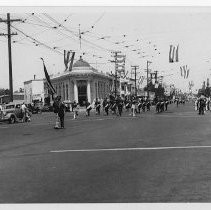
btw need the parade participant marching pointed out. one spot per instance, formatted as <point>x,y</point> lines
<point>162,104</point>
<point>1,111</point>
<point>127,105</point>
<point>113,106</point>
<point>148,105</point>
<point>88,108</point>
<point>107,104</point>
<point>143,106</point>
<point>177,101</point>
<point>76,110</point>
<point>133,108</point>
<point>166,104</point>
<point>158,106</point>
<point>119,106</point>
<point>97,106</point>
<point>104,104</point>
<point>202,105</point>
<point>196,105</point>
<point>139,106</point>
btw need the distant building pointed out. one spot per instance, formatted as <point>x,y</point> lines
<point>34,91</point>
<point>82,83</point>
<point>127,87</point>
<point>17,98</point>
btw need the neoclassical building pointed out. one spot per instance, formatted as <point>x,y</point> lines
<point>82,83</point>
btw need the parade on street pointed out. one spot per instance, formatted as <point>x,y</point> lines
<point>105,105</point>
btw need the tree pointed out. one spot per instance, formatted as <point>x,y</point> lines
<point>4,91</point>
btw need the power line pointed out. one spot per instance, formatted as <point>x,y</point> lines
<point>39,42</point>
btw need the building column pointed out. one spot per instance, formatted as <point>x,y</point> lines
<point>75,91</point>
<point>88,91</point>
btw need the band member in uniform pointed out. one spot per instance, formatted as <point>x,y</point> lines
<point>166,104</point>
<point>143,106</point>
<point>88,108</point>
<point>202,105</point>
<point>97,106</point>
<point>158,106</point>
<point>139,106</point>
<point>148,105</point>
<point>107,105</point>
<point>119,106</point>
<point>133,107</point>
<point>127,105</point>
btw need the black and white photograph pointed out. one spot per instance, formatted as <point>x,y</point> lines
<point>105,105</point>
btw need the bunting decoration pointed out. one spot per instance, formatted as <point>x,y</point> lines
<point>141,79</point>
<point>125,75</point>
<point>121,63</point>
<point>68,61</point>
<point>174,54</point>
<point>184,71</point>
<point>71,61</point>
<point>50,86</point>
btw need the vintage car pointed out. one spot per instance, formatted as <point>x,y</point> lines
<point>11,113</point>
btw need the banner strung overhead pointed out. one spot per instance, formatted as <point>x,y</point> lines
<point>184,71</point>
<point>68,61</point>
<point>174,54</point>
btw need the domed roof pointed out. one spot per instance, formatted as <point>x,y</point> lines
<point>81,63</point>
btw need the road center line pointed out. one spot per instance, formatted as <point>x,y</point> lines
<point>128,149</point>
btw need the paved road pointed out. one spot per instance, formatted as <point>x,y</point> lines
<point>149,158</point>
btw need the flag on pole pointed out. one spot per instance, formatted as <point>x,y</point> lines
<point>50,86</point>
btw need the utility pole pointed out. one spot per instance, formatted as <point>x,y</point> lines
<point>79,31</point>
<point>116,69</point>
<point>135,68</point>
<point>148,62</point>
<point>9,34</point>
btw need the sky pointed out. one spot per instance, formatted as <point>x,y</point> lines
<point>147,31</point>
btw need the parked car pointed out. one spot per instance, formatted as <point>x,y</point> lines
<point>47,108</point>
<point>11,113</point>
<point>36,108</point>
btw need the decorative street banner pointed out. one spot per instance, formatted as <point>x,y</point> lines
<point>184,71</point>
<point>120,62</point>
<point>68,60</point>
<point>141,79</point>
<point>173,54</point>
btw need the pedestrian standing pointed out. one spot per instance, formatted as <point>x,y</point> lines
<point>23,111</point>
<point>133,107</point>
<point>1,111</point>
<point>56,111</point>
<point>61,112</point>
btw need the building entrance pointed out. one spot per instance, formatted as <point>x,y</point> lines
<point>82,92</point>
